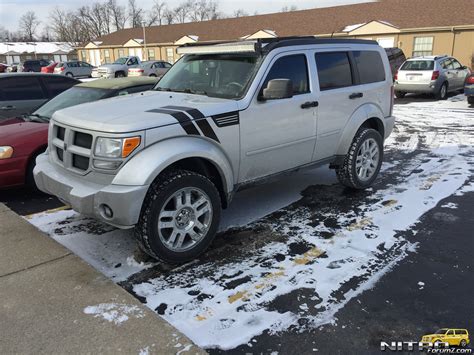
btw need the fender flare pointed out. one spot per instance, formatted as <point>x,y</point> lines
<point>360,115</point>
<point>145,166</point>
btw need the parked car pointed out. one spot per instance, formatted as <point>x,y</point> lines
<point>74,69</point>
<point>469,89</point>
<point>49,68</point>
<point>150,68</point>
<point>117,69</point>
<point>232,115</point>
<point>23,93</point>
<point>23,138</point>
<point>3,68</point>
<point>396,57</point>
<point>437,75</point>
<point>454,337</point>
<point>33,65</point>
<point>13,68</point>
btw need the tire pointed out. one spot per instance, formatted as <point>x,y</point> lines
<point>161,218</point>
<point>442,93</point>
<point>29,178</point>
<point>153,75</point>
<point>470,100</point>
<point>70,75</point>
<point>400,94</point>
<point>120,74</point>
<point>347,173</point>
<point>463,343</point>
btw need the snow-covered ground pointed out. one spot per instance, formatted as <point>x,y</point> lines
<point>304,237</point>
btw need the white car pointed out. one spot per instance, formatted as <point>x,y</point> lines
<point>150,68</point>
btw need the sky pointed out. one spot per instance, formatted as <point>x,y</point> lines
<point>11,10</point>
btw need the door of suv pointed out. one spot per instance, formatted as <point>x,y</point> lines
<point>20,95</point>
<point>278,135</point>
<point>336,79</point>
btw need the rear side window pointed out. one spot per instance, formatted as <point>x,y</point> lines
<point>293,67</point>
<point>418,65</point>
<point>57,85</point>
<point>22,88</point>
<point>461,332</point>
<point>334,70</point>
<point>370,66</point>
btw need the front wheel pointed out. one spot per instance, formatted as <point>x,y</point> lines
<point>70,75</point>
<point>400,94</point>
<point>179,217</point>
<point>120,74</point>
<point>363,161</point>
<point>463,343</point>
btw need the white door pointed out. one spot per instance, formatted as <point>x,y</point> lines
<point>386,42</point>
<point>278,135</point>
<point>95,57</point>
<point>138,53</point>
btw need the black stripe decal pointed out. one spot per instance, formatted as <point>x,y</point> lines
<point>182,118</point>
<point>207,129</point>
<point>195,113</point>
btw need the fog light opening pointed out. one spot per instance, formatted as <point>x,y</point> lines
<point>106,211</point>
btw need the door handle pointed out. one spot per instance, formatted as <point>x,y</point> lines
<point>356,95</point>
<point>8,108</point>
<point>310,104</point>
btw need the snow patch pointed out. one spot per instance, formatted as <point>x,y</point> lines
<point>113,312</point>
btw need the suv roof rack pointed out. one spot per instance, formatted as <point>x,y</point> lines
<point>263,45</point>
<point>440,56</point>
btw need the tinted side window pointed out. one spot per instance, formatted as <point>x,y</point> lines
<point>293,67</point>
<point>370,66</point>
<point>167,65</point>
<point>21,89</point>
<point>456,64</point>
<point>57,85</point>
<point>334,70</point>
<point>450,332</point>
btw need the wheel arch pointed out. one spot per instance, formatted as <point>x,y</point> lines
<point>366,116</point>
<point>189,153</point>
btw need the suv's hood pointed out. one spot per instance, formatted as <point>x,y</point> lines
<point>133,112</point>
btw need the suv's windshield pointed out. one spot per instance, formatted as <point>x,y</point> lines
<point>418,65</point>
<point>71,97</point>
<point>441,331</point>
<point>121,60</point>
<point>216,75</point>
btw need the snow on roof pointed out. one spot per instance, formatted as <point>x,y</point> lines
<point>32,47</point>
<point>194,37</point>
<point>351,28</point>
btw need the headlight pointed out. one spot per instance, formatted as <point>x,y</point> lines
<point>116,147</point>
<point>6,152</point>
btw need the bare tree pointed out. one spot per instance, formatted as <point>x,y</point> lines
<point>157,14</point>
<point>240,13</point>
<point>4,34</point>
<point>202,10</point>
<point>117,15</point>
<point>69,27</point>
<point>135,13</point>
<point>28,25</point>
<point>289,8</point>
<point>168,17</point>
<point>181,11</point>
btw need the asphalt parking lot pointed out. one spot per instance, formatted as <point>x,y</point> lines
<point>303,264</point>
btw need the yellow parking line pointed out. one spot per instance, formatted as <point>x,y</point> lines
<point>62,208</point>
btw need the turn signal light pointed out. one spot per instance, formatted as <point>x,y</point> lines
<point>129,145</point>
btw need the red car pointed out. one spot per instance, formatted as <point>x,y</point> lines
<point>3,68</point>
<point>49,68</point>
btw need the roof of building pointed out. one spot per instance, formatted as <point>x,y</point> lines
<point>398,13</point>
<point>17,48</point>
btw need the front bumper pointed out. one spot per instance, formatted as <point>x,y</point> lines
<point>89,198</point>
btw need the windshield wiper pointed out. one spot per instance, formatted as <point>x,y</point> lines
<point>36,117</point>
<point>185,90</point>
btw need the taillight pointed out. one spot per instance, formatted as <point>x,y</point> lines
<point>395,77</point>
<point>140,70</point>
<point>435,75</point>
<point>470,79</point>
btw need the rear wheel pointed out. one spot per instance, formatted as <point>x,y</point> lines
<point>179,217</point>
<point>120,74</point>
<point>363,161</point>
<point>400,94</point>
<point>442,93</point>
<point>70,75</point>
<point>470,100</point>
<point>463,343</point>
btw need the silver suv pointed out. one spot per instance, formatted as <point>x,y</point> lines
<point>436,75</point>
<point>223,117</point>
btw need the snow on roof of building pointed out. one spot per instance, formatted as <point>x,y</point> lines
<point>351,28</point>
<point>35,47</point>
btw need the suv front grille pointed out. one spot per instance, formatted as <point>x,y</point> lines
<point>72,148</point>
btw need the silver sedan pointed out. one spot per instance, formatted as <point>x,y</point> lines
<point>151,68</point>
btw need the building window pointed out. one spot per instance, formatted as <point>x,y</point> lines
<point>151,54</point>
<point>170,55</point>
<point>106,55</point>
<point>422,46</point>
<point>121,53</point>
<point>29,57</point>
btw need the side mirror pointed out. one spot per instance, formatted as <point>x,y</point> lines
<point>278,89</point>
